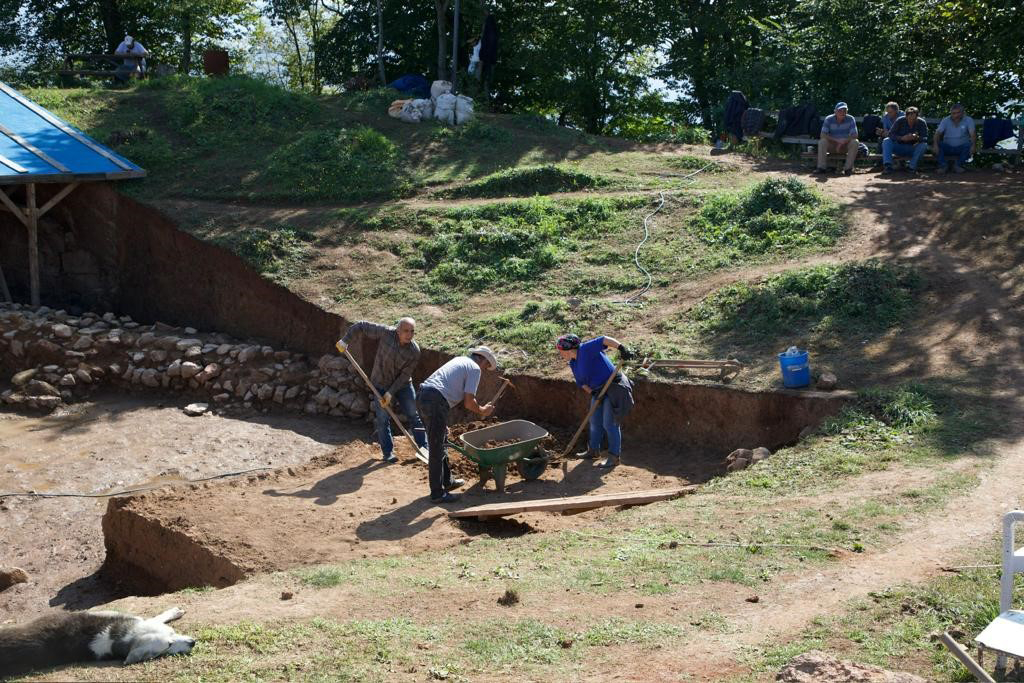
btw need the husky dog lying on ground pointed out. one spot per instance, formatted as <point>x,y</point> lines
<point>72,637</point>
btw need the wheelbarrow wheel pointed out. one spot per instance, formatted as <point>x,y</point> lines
<point>533,467</point>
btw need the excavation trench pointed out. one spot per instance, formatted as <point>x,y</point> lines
<point>105,252</point>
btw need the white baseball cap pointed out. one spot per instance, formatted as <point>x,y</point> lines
<point>486,353</point>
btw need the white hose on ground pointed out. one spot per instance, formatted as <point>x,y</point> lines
<point>632,300</point>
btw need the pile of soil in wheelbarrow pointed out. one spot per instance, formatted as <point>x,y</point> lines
<point>465,468</point>
<point>496,443</point>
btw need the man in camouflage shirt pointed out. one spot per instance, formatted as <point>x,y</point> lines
<point>397,356</point>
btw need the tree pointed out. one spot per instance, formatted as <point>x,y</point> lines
<point>306,23</point>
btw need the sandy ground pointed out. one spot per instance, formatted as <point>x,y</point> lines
<point>110,444</point>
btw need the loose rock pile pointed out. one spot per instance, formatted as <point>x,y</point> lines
<point>742,458</point>
<point>56,358</point>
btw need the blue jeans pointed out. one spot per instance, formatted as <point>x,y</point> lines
<point>961,152</point>
<point>903,149</point>
<point>602,423</point>
<point>405,399</point>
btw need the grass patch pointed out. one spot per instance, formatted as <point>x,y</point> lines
<point>869,295</point>
<point>277,253</point>
<point>892,628</point>
<point>499,245</point>
<point>475,132</point>
<point>686,162</point>
<point>535,326</point>
<point>524,182</point>
<point>773,215</point>
<point>322,165</point>
<point>211,111</point>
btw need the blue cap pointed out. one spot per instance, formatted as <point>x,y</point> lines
<point>841,105</point>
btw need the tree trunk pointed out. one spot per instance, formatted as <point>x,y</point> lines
<point>186,44</point>
<point>380,44</point>
<point>442,38</point>
<point>113,23</point>
<point>298,53</point>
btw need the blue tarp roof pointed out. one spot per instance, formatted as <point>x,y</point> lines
<point>37,146</point>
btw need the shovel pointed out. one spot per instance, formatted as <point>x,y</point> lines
<point>420,452</point>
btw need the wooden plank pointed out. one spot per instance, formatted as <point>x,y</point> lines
<point>16,167</point>
<point>33,243</point>
<point>572,503</point>
<point>35,150</point>
<point>56,198</point>
<point>52,120</point>
<point>13,208</point>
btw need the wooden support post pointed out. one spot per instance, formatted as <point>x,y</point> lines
<point>33,242</point>
<point>3,287</point>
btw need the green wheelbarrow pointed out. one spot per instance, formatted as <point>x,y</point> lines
<point>531,458</point>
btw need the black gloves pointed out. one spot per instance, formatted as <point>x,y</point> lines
<point>625,353</point>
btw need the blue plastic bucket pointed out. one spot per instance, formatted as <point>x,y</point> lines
<point>796,371</point>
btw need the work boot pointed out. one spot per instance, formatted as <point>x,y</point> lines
<point>390,457</point>
<point>446,498</point>
<point>609,462</point>
<point>455,483</point>
<point>588,454</point>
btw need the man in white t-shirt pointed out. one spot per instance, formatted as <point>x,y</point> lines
<point>955,137</point>
<point>135,59</point>
<point>456,382</point>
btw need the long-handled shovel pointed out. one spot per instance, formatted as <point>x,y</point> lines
<point>420,453</point>
<point>593,407</point>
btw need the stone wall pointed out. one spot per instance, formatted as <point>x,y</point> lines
<point>53,358</point>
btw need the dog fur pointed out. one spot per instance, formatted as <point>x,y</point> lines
<point>70,637</point>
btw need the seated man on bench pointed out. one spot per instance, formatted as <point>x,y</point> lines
<point>838,135</point>
<point>908,137</point>
<point>955,137</point>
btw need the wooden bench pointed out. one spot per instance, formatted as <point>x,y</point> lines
<point>96,65</point>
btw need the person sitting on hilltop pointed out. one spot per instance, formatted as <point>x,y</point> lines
<point>838,135</point>
<point>892,114</point>
<point>956,137</point>
<point>135,59</point>
<point>908,137</point>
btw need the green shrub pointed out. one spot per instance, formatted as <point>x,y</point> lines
<point>772,215</point>
<point>528,181</point>
<point>277,253</point>
<point>869,295</point>
<point>342,164</point>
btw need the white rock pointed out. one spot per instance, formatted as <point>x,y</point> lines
<point>190,330</point>
<point>223,349</point>
<point>150,378</point>
<point>174,369</point>
<point>196,409</point>
<point>62,331</point>
<point>67,380</point>
<point>186,343</point>
<point>83,376</point>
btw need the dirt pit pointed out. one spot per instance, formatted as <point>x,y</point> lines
<point>112,443</point>
<point>343,506</point>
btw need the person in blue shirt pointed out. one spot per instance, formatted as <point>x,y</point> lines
<point>838,136</point>
<point>591,368</point>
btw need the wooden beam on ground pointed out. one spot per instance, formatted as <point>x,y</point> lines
<point>56,199</point>
<point>572,503</point>
<point>965,659</point>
